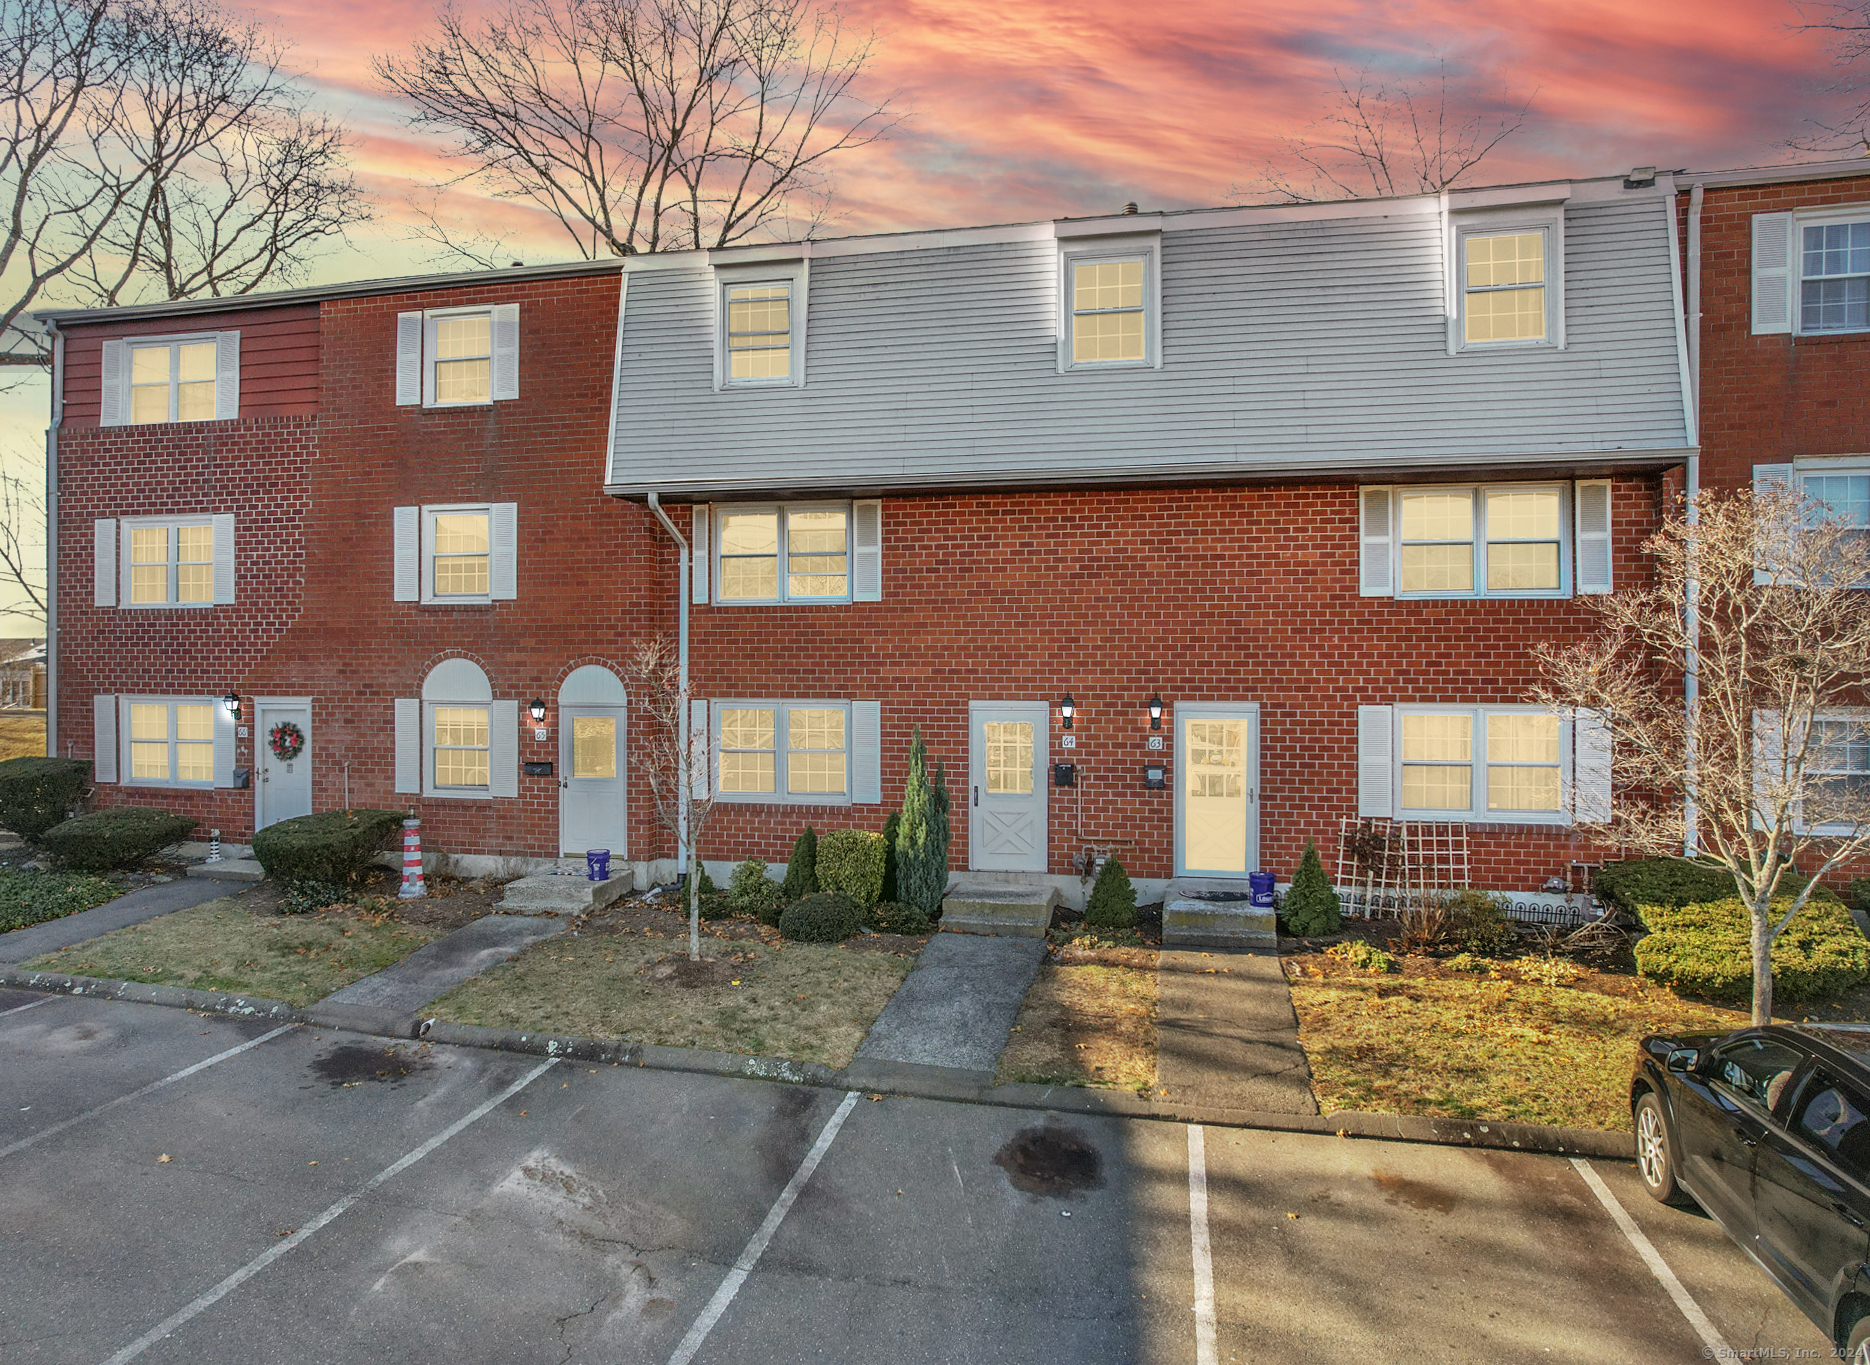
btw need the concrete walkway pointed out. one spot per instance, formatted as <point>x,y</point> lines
<point>1226,1035</point>
<point>144,903</point>
<point>447,962</point>
<point>954,1011</point>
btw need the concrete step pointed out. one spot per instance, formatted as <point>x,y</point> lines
<point>230,870</point>
<point>1007,907</point>
<point>1192,919</point>
<point>555,893</point>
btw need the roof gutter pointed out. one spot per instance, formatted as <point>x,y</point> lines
<point>681,657</point>
<point>51,538</point>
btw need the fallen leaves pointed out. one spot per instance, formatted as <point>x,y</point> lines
<point>164,1159</point>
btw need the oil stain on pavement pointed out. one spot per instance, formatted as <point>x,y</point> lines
<point>351,1064</point>
<point>1051,1159</point>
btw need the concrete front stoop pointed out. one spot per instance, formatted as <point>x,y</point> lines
<point>230,870</point>
<point>1006,904</point>
<point>558,893</point>
<point>1192,918</point>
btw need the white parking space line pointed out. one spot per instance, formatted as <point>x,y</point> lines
<point>183,1074</point>
<point>286,1244</point>
<point>31,1005</point>
<point>756,1245</point>
<point>1710,1338</point>
<point>1198,1240</point>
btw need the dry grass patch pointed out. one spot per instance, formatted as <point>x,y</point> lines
<point>1089,1019</point>
<point>1502,1044</point>
<point>22,736</point>
<point>223,946</point>
<point>806,1001</point>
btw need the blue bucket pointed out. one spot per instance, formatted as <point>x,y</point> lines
<point>1260,884</point>
<point>597,864</point>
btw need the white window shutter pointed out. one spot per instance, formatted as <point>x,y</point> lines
<point>700,567</point>
<point>1375,577</point>
<point>867,552</point>
<point>1590,770</point>
<point>1775,239</point>
<point>1591,506</point>
<point>114,386</point>
<point>408,575</point>
<point>503,751</point>
<point>104,562</point>
<point>104,739</point>
<point>408,361</point>
<point>223,745</point>
<point>1376,781</point>
<point>226,376</point>
<point>223,559</point>
<point>866,752</point>
<point>701,742</point>
<point>504,571</point>
<point>505,351</point>
<point>1768,479</point>
<point>408,745</point>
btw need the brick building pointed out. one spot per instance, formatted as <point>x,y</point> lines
<point>1306,480</point>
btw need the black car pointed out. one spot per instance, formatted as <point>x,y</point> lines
<point>1768,1129</point>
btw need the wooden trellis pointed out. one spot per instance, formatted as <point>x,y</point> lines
<point>1386,867</point>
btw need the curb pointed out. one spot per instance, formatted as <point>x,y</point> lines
<point>909,1082</point>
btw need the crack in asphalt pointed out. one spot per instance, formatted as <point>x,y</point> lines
<point>569,1318</point>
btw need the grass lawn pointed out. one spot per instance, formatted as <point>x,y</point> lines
<point>224,946</point>
<point>806,1001</point>
<point>1089,1019</point>
<point>1432,1041</point>
<point>34,897</point>
<point>22,736</point>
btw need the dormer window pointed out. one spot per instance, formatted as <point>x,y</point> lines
<point>1110,307</point>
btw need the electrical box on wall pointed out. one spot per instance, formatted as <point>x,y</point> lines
<point>1064,775</point>
<point>1154,775</point>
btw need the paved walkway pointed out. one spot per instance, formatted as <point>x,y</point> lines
<point>1226,1034</point>
<point>955,1010</point>
<point>447,962</point>
<point>144,903</point>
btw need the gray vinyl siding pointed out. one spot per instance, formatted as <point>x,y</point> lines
<point>1302,346</point>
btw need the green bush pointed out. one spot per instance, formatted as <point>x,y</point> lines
<point>851,863</point>
<point>1478,924</point>
<point>922,835</point>
<point>1637,882</point>
<point>754,893</point>
<point>891,827</point>
<point>1468,962</point>
<point>802,867</point>
<point>713,903</point>
<point>331,846</point>
<point>115,836</point>
<point>1705,950</point>
<point>32,897</point>
<point>300,898</point>
<point>824,918</point>
<point>1860,893</point>
<point>1363,956</point>
<point>38,793</point>
<point>893,917</point>
<point>1311,905</point>
<point>1112,902</point>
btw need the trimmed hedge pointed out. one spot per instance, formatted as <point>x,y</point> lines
<point>852,862</point>
<point>1637,882</point>
<point>1112,902</point>
<point>754,893</point>
<point>802,867</point>
<point>37,793</point>
<point>824,918</point>
<point>1704,950</point>
<point>115,836</point>
<point>331,846</point>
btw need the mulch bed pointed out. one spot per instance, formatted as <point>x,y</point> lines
<point>664,916</point>
<point>451,903</point>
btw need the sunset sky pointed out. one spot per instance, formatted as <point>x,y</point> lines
<point>1032,109</point>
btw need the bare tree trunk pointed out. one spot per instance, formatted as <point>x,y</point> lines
<point>694,902</point>
<point>1762,958</point>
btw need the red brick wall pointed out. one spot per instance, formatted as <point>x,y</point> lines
<point>278,359</point>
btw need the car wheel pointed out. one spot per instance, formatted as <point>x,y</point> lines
<point>1655,1162</point>
<point>1857,1352</point>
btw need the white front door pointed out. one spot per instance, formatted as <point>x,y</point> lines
<point>283,785</point>
<point>1006,795</point>
<point>1217,799</point>
<point>590,787</point>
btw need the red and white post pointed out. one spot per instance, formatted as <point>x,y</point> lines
<point>413,885</point>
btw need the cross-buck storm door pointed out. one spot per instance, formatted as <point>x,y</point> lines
<point>1006,824</point>
<point>1217,779</point>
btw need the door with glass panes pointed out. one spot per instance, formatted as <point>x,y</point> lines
<point>1006,827</point>
<point>590,797</point>
<point>1217,799</point>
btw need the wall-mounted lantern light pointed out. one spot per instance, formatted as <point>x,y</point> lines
<point>232,702</point>
<point>1155,711</point>
<point>1067,708</point>
<point>537,708</point>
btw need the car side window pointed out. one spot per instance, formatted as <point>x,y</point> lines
<point>1756,1069</point>
<point>1836,1117</point>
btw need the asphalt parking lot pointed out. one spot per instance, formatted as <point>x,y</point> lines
<point>328,1197</point>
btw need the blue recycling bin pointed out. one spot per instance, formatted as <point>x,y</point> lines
<point>597,864</point>
<point>1260,888</point>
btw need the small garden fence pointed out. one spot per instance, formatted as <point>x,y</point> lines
<point>1387,868</point>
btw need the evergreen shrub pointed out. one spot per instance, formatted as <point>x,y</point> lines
<point>754,893</point>
<point>331,846</point>
<point>824,918</point>
<point>1311,905</point>
<point>116,836</point>
<point>1112,902</point>
<point>37,793</point>
<point>802,867</point>
<point>1706,950</point>
<point>851,863</point>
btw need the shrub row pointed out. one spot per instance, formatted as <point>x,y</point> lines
<point>334,846</point>
<point>116,836</point>
<point>1705,950</point>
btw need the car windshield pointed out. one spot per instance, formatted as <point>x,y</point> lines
<point>1756,1069</point>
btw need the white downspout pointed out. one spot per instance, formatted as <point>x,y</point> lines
<point>1691,606</point>
<point>681,658</point>
<point>51,538</point>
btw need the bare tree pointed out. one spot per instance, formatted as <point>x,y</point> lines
<point>643,125</point>
<point>1383,138</point>
<point>1759,594</point>
<point>22,545</point>
<point>154,149</point>
<point>675,762</point>
<point>1846,27</point>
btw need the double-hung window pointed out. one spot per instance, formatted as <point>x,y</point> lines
<point>1110,314</point>
<point>1837,788</point>
<point>792,553</point>
<point>1481,763</point>
<point>171,742</point>
<point>193,378</point>
<point>165,561</point>
<point>1834,277</point>
<point>1506,283</point>
<point>457,357</point>
<point>760,328</point>
<point>1836,494</point>
<point>783,751</point>
<point>1501,540</point>
<point>457,554</point>
<point>462,748</point>
<point>457,740</point>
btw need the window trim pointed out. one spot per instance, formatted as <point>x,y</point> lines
<point>1477,813</point>
<point>1146,247</point>
<point>133,344</point>
<point>126,766</point>
<point>784,511</point>
<point>426,564</point>
<point>795,273</point>
<point>1795,266</point>
<point>1567,541</point>
<point>431,787</point>
<point>779,796</point>
<point>126,567</point>
<point>1550,222</point>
